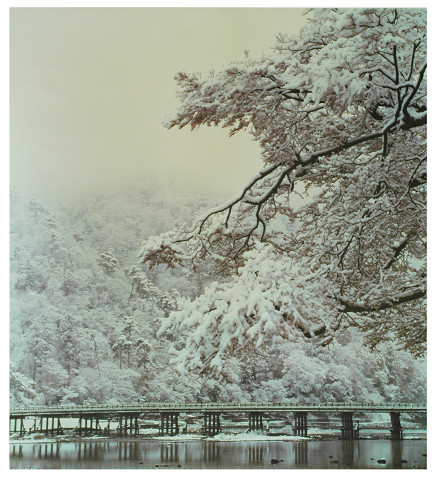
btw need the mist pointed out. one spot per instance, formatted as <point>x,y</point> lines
<point>90,89</point>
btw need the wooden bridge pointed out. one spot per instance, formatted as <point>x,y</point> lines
<point>128,416</point>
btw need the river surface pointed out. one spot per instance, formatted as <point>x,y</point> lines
<point>200,454</point>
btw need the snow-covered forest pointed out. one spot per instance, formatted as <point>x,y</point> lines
<point>85,316</point>
<point>83,311</point>
<point>308,285</point>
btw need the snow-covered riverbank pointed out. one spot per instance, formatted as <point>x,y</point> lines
<point>314,435</point>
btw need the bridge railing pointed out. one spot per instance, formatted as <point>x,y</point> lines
<point>272,406</point>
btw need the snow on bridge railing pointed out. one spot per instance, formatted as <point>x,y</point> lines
<point>142,407</point>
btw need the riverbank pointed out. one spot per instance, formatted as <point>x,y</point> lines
<point>314,435</point>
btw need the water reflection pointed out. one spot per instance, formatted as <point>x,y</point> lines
<point>17,450</point>
<point>94,450</point>
<point>142,453</point>
<point>349,448</point>
<point>211,452</point>
<point>255,452</point>
<point>300,452</point>
<point>51,450</point>
<point>397,453</point>
<point>169,452</point>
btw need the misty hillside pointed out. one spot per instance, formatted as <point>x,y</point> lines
<point>85,316</point>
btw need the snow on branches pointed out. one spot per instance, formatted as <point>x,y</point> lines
<point>340,114</point>
<point>267,300</point>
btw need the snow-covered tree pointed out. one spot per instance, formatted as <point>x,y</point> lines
<point>332,230</point>
<point>22,388</point>
<point>142,287</point>
<point>131,345</point>
<point>37,210</point>
<point>108,261</point>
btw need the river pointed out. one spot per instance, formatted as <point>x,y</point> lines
<point>210,454</point>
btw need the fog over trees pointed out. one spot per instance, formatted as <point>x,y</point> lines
<point>309,285</point>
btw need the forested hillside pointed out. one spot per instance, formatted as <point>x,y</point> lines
<point>85,318</point>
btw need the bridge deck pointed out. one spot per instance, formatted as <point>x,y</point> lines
<point>143,408</point>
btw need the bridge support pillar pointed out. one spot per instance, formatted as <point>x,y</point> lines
<point>14,428</point>
<point>300,424</point>
<point>255,421</point>
<point>123,426</point>
<point>17,428</point>
<point>47,427</point>
<point>85,428</point>
<point>396,430</point>
<point>212,424</point>
<point>83,425</point>
<point>54,428</point>
<point>59,429</point>
<point>37,425</point>
<point>169,423</point>
<point>128,424</point>
<point>348,432</point>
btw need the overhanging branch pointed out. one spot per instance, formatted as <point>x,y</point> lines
<point>349,307</point>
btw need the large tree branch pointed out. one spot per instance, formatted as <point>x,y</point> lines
<point>299,168</point>
<point>419,119</point>
<point>397,249</point>
<point>229,205</point>
<point>409,296</point>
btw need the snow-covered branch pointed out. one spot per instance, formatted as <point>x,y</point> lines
<point>339,112</point>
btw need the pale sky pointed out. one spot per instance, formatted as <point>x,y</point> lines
<point>91,87</point>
